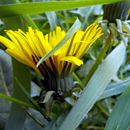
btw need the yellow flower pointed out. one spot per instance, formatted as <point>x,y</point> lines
<point>29,47</point>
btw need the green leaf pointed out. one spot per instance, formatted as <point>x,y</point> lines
<point>115,89</point>
<point>5,72</point>
<point>52,19</point>
<point>94,88</point>
<point>112,89</point>
<point>27,95</point>
<point>40,7</point>
<point>120,117</point>
<point>18,114</point>
<point>71,31</point>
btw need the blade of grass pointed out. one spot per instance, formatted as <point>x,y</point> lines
<point>71,31</point>
<point>3,82</point>
<point>52,19</point>
<point>40,7</point>
<point>51,16</point>
<point>17,114</point>
<point>112,89</point>
<point>37,107</point>
<point>94,88</point>
<point>115,89</point>
<point>120,117</point>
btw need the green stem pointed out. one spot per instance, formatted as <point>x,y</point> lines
<point>99,58</point>
<point>78,79</point>
<point>103,110</point>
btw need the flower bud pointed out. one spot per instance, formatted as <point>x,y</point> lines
<point>116,11</point>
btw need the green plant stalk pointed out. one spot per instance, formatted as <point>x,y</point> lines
<point>99,59</point>
<point>102,109</point>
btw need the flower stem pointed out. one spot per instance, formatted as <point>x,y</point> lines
<point>78,79</point>
<point>102,109</point>
<point>99,58</point>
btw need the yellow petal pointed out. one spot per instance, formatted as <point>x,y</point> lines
<point>7,43</point>
<point>73,59</point>
<point>56,36</point>
<point>17,55</point>
<point>92,33</point>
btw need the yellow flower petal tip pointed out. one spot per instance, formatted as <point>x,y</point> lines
<point>28,47</point>
<point>73,59</point>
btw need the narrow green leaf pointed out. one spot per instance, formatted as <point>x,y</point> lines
<point>71,31</point>
<point>115,89</point>
<point>17,113</point>
<point>28,21</point>
<point>51,16</point>
<point>40,7</point>
<point>52,19</point>
<point>27,95</point>
<point>9,98</point>
<point>2,79</point>
<point>120,117</point>
<point>94,88</point>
